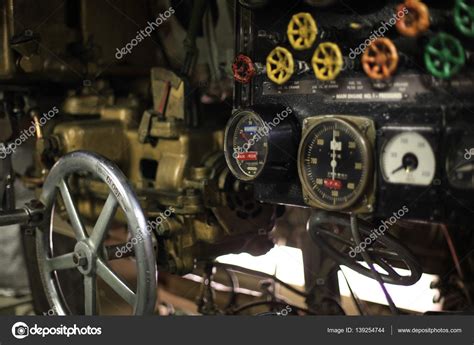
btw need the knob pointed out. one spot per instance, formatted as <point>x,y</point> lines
<point>380,59</point>
<point>280,65</point>
<point>327,61</point>
<point>243,68</point>
<point>416,21</point>
<point>302,31</point>
<point>444,55</point>
<point>464,17</point>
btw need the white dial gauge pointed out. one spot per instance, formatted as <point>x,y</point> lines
<point>407,158</point>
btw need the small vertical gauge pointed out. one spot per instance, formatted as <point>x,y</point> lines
<point>261,143</point>
<point>334,163</point>
<point>408,158</point>
<point>248,145</point>
<point>460,162</point>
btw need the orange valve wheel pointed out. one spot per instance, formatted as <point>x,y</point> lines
<point>416,21</point>
<point>380,59</point>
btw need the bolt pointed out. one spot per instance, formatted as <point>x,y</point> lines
<point>79,259</point>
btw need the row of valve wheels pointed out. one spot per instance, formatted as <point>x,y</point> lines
<point>444,55</point>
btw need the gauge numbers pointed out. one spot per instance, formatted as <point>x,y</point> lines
<point>335,161</point>
<point>408,158</point>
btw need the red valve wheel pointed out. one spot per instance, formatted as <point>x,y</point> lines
<point>243,68</point>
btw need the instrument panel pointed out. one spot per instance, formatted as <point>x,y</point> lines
<point>405,72</point>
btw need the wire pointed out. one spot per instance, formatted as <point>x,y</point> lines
<point>452,250</point>
<point>353,295</point>
<point>262,274</point>
<point>368,260</point>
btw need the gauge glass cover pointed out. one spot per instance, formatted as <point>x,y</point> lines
<point>335,161</point>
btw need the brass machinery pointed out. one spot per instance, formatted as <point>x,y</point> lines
<point>156,130</point>
<point>172,165</point>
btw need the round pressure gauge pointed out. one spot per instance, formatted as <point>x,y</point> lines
<point>246,145</point>
<point>334,163</point>
<point>408,158</point>
<point>261,143</point>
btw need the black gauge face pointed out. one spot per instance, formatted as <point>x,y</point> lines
<point>246,145</point>
<point>460,163</point>
<point>334,164</point>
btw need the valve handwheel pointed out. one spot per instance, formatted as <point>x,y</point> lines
<point>302,31</point>
<point>280,65</point>
<point>444,55</point>
<point>243,68</point>
<point>464,17</point>
<point>380,59</point>
<point>87,256</point>
<point>327,61</point>
<point>416,21</point>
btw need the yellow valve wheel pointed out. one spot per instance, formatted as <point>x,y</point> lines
<point>280,65</point>
<point>327,61</point>
<point>302,31</point>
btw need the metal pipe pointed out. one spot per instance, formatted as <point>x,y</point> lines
<point>199,8</point>
<point>18,216</point>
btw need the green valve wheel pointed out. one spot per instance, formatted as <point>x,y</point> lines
<point>464,17</point>
<point>444,55</point>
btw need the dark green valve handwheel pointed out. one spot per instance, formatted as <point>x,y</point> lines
<point>464,17</point>
<point>444,55</point>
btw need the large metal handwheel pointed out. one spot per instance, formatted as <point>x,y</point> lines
<point>87,256</point>
<point>331,232</point>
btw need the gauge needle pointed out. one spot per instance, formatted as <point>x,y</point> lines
<point>242,134</point>
<point>409,163</point>
<point>401,167</point>
<point>333,161</point>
